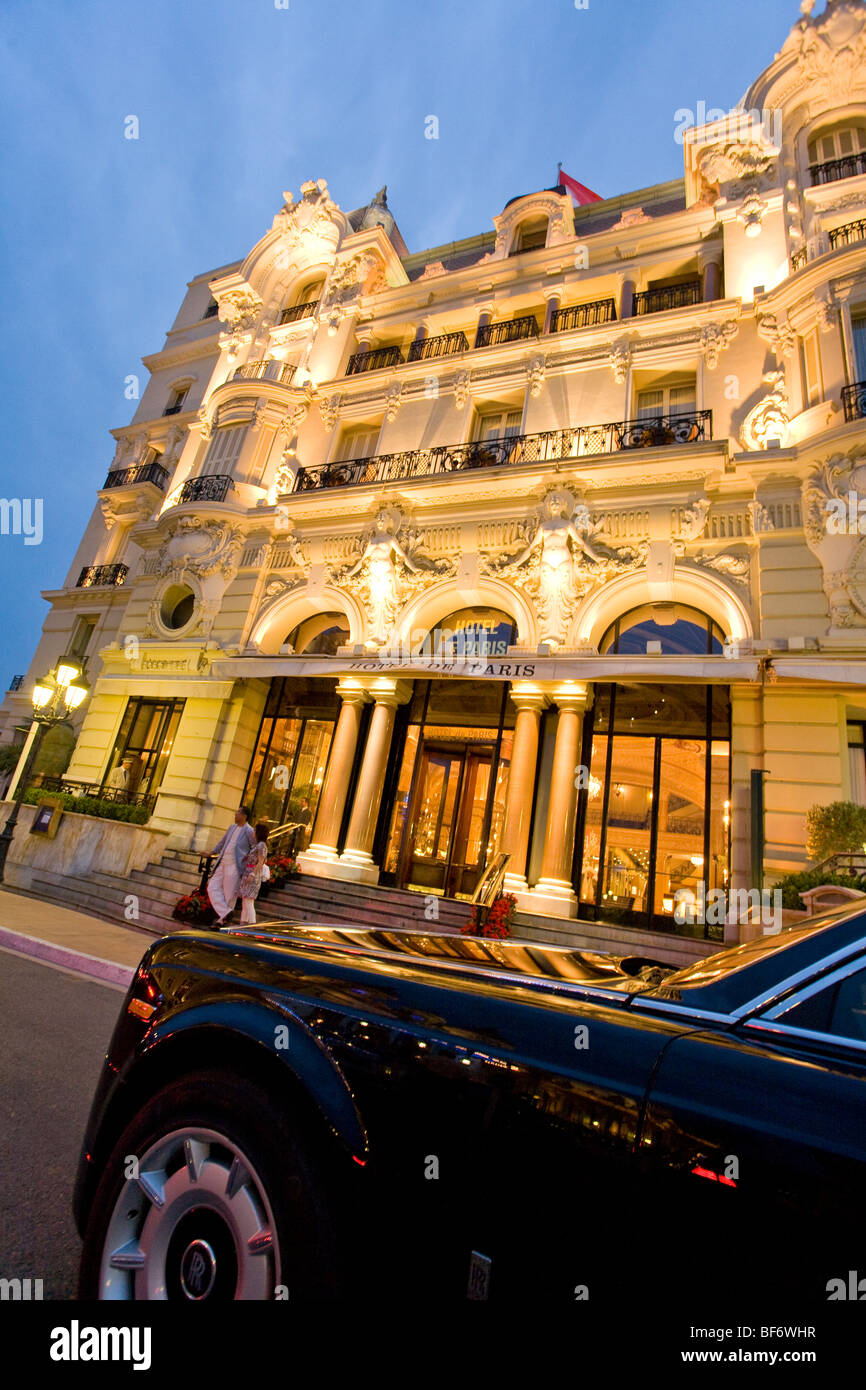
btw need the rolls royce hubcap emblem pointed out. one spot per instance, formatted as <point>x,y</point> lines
<point>197,1269</point>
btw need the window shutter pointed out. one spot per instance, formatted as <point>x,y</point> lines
<point>224,451</point>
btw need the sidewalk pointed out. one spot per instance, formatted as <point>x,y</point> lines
<point>73,940</point>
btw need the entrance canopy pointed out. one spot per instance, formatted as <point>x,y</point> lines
<point>518,667</point>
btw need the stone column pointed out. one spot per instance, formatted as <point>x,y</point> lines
<point>356,861</point>
<point>553,301</point>
<point>625,308</point>
<point>521,781</point>
<point>484,317</point>
<point>711,265</point>
<point>321,857</point>
<point>553,893</point>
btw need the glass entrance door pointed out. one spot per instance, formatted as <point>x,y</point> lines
<point>445,850</point>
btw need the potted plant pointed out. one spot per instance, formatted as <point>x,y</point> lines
<point>283,867</point>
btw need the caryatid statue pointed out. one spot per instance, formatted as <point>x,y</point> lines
<point>380,555</point>
<point>561,539</point>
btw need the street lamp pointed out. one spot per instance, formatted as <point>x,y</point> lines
<point>54,697</point>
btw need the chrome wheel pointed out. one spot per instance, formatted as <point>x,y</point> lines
<point>194,1225</point>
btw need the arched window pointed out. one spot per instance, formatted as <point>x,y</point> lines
<point>531,235</point>
<point>303,300</point>
<point>320,635</point>
<point>470,633</point>
<point>838,152</point>
<point>666,629</point>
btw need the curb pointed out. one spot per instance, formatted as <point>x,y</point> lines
<point>79,961</point>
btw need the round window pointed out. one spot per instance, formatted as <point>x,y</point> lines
<point>177,606</point>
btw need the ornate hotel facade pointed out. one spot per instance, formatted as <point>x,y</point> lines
<point>527,544</point>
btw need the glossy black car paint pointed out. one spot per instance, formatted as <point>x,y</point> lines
<point>596,1126</point>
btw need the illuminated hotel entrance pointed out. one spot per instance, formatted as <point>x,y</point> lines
<point>447,810</point>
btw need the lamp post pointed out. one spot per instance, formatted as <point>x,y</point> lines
<point>54,698</point>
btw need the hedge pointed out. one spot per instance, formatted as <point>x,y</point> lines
<point>793,884</point>
<point>91,806</point>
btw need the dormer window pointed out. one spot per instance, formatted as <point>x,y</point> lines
<point>839,153</point>
<point>176,400</point>
<point>531,235</point>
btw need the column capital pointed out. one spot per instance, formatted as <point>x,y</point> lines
<point>390,690</point>
<point>526,696</point>
<point>575,695</point>
<point>351,691</point>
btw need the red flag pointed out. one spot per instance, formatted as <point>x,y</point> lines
<point>578,191</point>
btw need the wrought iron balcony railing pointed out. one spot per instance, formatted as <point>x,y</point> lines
<point>798,260</point>
<point>93,576</point>
<point>50,783</point>
<point>16,683</point>
<point>445,345</point>
<point>848,234</point>
<point>509,331</point>
<point>693,426</point>
<point>139,473</point>
<point>667,297</point>
<point>832,169</point>
<point>268,370</point>
<point>299,311</point>
<point>372,360</point>
<point>583,315</point>
<point>212,487</point>
<point>854,400</point>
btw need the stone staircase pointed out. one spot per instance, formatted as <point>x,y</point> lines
<point>153,892</point>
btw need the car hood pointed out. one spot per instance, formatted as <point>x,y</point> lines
<point>626,974</point>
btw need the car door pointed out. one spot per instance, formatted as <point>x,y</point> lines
<point>756,1133</point>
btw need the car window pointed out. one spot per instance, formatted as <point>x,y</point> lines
<point>838,1009</point>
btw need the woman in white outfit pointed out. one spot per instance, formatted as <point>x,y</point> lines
<point>251,878</point>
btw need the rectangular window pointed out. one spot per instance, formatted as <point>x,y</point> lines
<point>80,640</point>
<point>143,747</point>
<point>224,451</point>
<point>666,400</point>
<point>499,424</point>
<point>359,443</point>
<point>811,363</point>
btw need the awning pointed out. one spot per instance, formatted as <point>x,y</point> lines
<point>826,669</point>
<point>693,669</point>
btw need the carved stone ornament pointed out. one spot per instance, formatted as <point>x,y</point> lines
<point>733,567</point>
<point>752,209</point>
<point>432,271</point>
<point>393,401</point>
<point>555,558</point>
<point>769,418</point>
<point>827,314</point>
<point>693,521</point>
<point>200,547</point>
<point>239,309</point>
<point>390,567</point>
<point>834,522</point>
<point>329,409</point>
<point>726,162</point>
<point>760,517</point>
<point>461,390</point>
<point>536,371</point>
<point>619,360</point>
<point>779,333</point>
<point>715,337</point>
<point>832,52</point>
<point>204,424</point>
<point>314,216</point>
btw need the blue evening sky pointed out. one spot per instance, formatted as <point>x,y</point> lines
<point>238,100</point>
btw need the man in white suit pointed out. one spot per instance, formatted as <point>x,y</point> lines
<point>233,848</point>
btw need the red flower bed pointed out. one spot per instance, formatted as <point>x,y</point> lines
<point>282,868</point>
<point>494,921</point>
<point>194,908</point>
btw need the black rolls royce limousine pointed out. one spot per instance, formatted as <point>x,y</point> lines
<point>320,1112</point>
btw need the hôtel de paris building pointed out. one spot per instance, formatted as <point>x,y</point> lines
<point>517,545</point>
